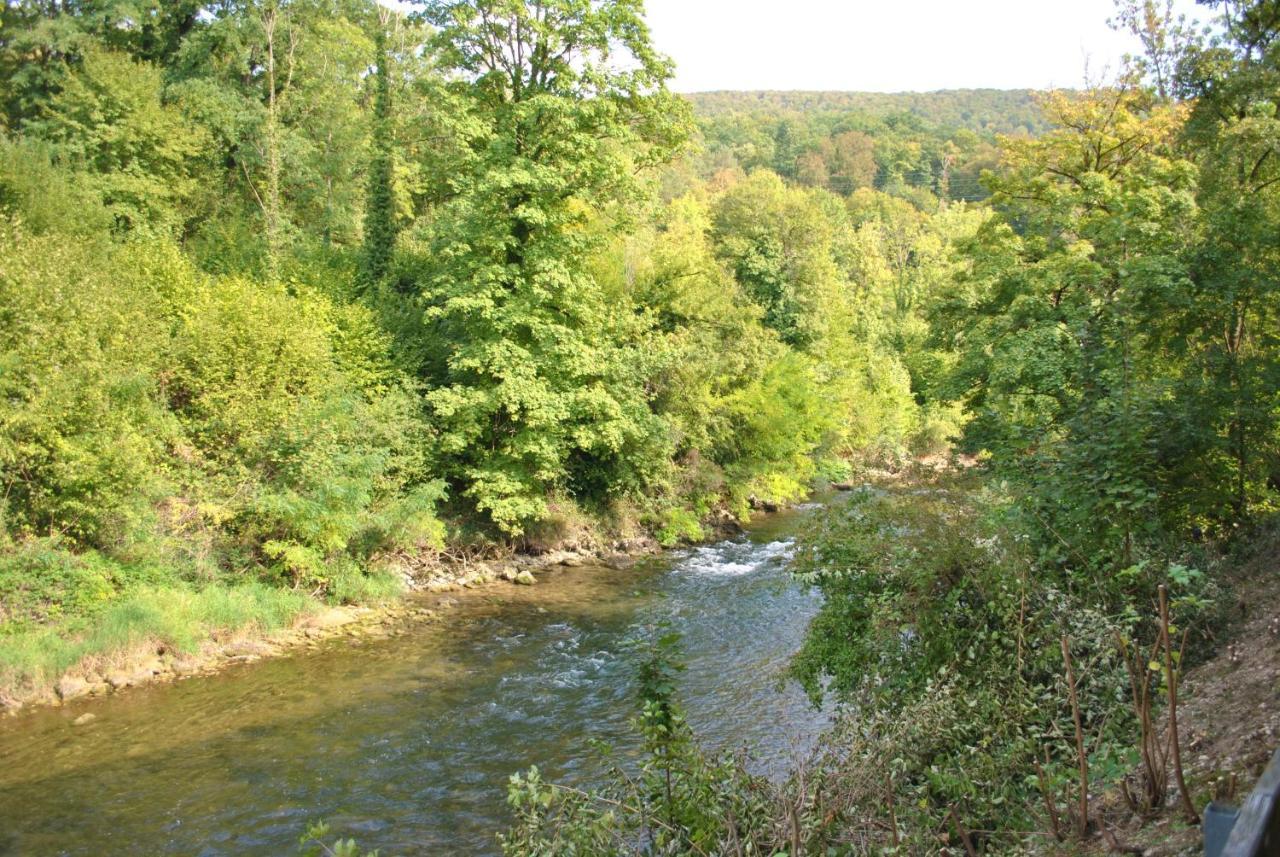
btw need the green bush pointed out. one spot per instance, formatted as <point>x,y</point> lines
<point>83,433</point>
<point>139,155</point>
<point>351,582</point>
<point>677,525</point>
<point>161,416</point>
<point>42,581</point>
<point>45,198</point>
<point>942,633</point>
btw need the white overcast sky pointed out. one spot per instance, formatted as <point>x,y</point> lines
<point>887,45</point>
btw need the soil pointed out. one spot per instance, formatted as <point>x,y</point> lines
<point>1228,713</point>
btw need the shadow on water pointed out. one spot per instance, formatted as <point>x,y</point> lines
<point>406,744</point>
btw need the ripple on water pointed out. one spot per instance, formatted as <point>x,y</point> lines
<point>407,744</point>
<point>734,559</point>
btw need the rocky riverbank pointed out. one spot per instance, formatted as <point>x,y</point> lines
<point>432,585</point>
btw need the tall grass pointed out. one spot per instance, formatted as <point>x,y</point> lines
<point>178,619</point>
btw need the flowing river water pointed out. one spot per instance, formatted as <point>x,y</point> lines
<point>406,743</point>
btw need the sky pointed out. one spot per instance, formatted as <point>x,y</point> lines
<point>887,45</point>
<point>894,46</point>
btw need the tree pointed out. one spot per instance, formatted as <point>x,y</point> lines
<point>1166,39</point>
<point>380,226</point>
<point>784,149</point>
<point>779,244</point>
<point>1233,133</point>
<point>538,394</point>
<point>853,162</point>
<point>42,40</point>
<point>140,154</point>
<point>1069,335</point>
<point>811,170</point>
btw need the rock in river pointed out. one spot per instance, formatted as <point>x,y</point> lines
<point>70,687</point>
<point>119,679</point>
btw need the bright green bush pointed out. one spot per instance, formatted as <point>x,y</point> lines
<point>83,434</point>
<point>311,443</point>
<point>42,581</point>
<point>677,525</point>
<point>778,423</point>
<point>205,422</point>
<point>46,198</point>
<point>348,581</point>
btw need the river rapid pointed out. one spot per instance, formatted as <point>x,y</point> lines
<point>406,743</point>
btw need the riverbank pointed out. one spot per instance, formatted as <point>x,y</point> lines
<point>242,626</point>
<point>407,743</point>
<point>989,698</point>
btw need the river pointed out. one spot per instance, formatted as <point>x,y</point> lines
<point>406,743</point>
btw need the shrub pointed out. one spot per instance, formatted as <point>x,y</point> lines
<point>82,434</point>
<point>162,417</point>
<point>943,635</point>
<point>677,525</point>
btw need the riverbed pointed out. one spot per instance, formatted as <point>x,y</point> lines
<point>406,743</point>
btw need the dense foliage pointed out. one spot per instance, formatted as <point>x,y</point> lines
<point>295,286</point>
<point>924,147</point>
<point>1118,377</point>
<point>291,287</point>
<point>1104,337</point>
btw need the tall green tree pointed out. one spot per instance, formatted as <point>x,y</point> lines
<point>1233,133</point>
<point>141,155</point>
<point>779,243</point>
<point>1069,325</point>
<point>569,104</point>
<point>42,40</point>
<point>283,87</point>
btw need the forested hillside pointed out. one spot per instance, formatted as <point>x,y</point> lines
<point>1000,111</point>
<point>922,146</point>
<point>293,290</point>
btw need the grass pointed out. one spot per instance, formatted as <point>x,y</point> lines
<point>179,618</point>
<point>60,609</point>
<point>349,583</point>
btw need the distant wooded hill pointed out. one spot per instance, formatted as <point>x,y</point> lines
<point>921,146</point>
<point>993,111</point>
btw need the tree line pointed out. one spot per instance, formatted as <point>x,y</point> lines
<point>1006,642</point>
<point>293,288</point>
<point>927,147</point>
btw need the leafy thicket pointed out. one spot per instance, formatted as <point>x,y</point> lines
<point>293,286</point>
<point>168,427</point>
<point>945,637</point>
<point>1103,337</point>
